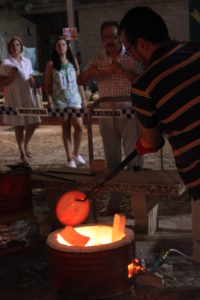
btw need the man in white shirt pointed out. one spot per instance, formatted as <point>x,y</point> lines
<point>114,71</point>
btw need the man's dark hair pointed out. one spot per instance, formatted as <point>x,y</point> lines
<point>143,22</point>
<point>109,24</point>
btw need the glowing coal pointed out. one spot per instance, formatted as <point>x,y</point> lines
<point>93,235</point>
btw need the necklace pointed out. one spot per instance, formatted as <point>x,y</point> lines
<point>64,66</point>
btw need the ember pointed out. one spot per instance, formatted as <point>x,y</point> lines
<point>97,235</point>
<point>93,235</point>
<point>134,268</point>
<point>69,236</point>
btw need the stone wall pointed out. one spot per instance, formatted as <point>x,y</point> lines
<point>12,23</point>
<point>93,13</point>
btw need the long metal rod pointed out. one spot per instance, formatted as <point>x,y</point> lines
<point>112,174</point>
<point>100,186</point>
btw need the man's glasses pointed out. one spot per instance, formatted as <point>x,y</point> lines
<point>109,37</point>
<point>128,49</point>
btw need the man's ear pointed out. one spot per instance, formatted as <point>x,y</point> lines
<point>142,44</point>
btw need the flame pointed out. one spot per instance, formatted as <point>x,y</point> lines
<point>98,234</point>
<point>134,268</point>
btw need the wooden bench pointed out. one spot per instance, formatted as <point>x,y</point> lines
<point>144,187</point>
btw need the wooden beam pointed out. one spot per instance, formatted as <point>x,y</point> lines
<point>71,22</point>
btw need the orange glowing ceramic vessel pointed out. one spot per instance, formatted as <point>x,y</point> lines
<point>71,212</point>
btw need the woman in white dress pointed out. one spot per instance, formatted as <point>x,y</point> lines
<point>63,91</point>
<point>17,80</point>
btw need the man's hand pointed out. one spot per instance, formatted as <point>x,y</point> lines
<point>112,68</point>
<point>143,149</point>
<point>93,71</point>
<point>116,68</point>
<point>87,75</point>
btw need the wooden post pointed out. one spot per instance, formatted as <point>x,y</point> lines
<point>145,210</point>
<point>71,22</point>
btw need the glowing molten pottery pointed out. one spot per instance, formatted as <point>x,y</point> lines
<point>97,270</point>
<point>69,211</point>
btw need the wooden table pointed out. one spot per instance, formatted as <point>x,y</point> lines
<point>144,187</point>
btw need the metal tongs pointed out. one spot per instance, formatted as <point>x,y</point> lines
<point>100,186</point>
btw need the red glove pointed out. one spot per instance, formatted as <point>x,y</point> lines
<point>141,150</point>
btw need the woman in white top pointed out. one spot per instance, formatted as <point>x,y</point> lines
<point>16,77</point>
<point>63,91</point>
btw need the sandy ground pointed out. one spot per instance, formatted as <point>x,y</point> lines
<point>47,149</point>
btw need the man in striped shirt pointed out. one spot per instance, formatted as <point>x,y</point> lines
<point>166,98</point>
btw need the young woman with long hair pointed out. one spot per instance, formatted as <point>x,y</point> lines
<point>63,91</point>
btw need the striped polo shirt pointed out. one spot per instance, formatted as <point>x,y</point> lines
<point>167,95</point>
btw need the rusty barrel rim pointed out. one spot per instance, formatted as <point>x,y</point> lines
<point>53,243</point>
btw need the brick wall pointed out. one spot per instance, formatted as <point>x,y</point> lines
<point>93,13</point>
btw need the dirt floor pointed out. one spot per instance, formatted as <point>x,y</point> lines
<point>47,149</point>
<point>24,273</point>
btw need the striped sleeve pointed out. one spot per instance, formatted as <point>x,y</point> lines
<point>144,108</point>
